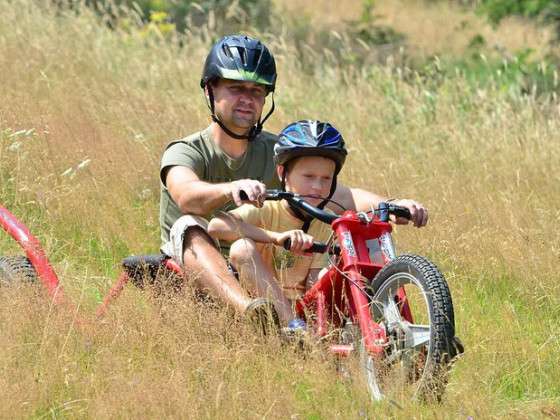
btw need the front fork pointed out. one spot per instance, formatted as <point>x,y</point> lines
<point>373,334</point>
<point>389,254</point>
<point>359,305</point>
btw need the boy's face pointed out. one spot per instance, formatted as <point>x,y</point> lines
<point>310,175</point>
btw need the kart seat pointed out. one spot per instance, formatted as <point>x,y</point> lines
<point>143,269</point>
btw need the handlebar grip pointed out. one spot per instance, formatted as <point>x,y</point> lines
<point>400,212</point>
<point>317,247</point>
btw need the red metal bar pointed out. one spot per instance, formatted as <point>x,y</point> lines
<point>321,318</point>
<point>170,264</point>
<point>113,294</point>
<point>373,336</point>
<point>342,350</point>
<point>403,305</point>
<point>34,252</point>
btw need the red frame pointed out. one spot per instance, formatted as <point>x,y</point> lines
<point>334,292</point>
<point>326,296</point>
<point>34,252</point>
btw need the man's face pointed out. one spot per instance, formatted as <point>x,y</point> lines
<point>310,175</point>
<point>238,104</point>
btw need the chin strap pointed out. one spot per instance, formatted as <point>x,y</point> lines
<point>253,131</point>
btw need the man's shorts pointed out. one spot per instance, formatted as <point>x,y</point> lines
<point>174,247</point>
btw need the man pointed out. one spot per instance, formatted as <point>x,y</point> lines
<point>205,172</point>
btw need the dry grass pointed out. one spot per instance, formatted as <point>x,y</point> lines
<point>484,161</point>
<point>431,27</point>
<point>435,28</point>
<point>150,358</point>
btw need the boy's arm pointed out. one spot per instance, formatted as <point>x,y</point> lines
<point>230,227</point>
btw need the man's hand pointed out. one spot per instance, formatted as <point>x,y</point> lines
<point>300,241</point>
<point>255,190</point>
<point>418,213</point>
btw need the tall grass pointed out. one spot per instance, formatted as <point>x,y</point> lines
<point>85,112</point>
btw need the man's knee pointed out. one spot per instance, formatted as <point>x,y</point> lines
<point>188,233</point>
<point>200,249</point>
<point>242,251</point>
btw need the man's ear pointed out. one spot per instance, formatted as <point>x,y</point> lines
<point>280,171</point>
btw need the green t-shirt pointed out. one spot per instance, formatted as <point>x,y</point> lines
<point>200,153</point>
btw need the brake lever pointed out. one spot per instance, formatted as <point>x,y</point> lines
<point>364,218</point>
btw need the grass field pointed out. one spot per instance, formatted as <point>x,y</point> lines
<point>85,113</point>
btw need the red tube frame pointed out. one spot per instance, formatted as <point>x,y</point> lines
<point>325,299</point>
<point>356,265</point>
<point>34,252</point>
<point>123,279</point>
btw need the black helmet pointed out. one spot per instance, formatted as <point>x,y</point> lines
<point>310,138</point>
<point>239,57</point>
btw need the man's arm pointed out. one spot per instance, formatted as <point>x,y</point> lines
<point>194,196</point>
<point>362,200</point>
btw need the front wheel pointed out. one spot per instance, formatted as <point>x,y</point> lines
<point>411,301</point>
<point>16,268</point>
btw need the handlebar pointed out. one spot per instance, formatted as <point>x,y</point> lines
<point>297,201</point>
<point>322,215</point>
<point>400,211</point>
<point>317,247</point>
<point>383,211</point>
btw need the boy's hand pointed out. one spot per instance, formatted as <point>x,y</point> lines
<point>418,213</point>
<point>300,241</point>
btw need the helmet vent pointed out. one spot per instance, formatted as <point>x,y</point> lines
<point>242,52</point>
<point>227,51</point>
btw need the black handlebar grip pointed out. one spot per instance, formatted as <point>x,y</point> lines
<point>317,247</point>
<point>401,212</point>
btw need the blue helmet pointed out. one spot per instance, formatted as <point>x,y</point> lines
<point>310,138</point>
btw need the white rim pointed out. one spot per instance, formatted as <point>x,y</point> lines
<point>416,335</point>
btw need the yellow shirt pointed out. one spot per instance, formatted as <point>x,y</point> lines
<point>290,270</point>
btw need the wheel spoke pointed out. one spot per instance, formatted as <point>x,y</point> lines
<point>391,312</point>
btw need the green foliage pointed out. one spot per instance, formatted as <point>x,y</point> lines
<point>496,10</point>
<point>519,74</point>
<point>368,31</point>
<point>546,10</point>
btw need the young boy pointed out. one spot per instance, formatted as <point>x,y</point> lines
<point>308,156</point>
